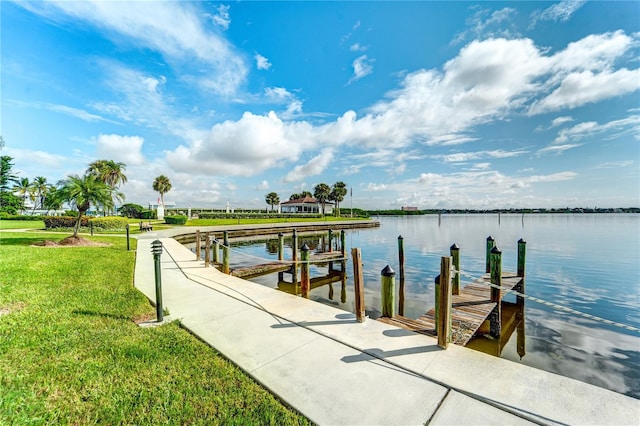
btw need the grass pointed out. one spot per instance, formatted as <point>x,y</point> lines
<point>21,224</point>
<point>71,353</point>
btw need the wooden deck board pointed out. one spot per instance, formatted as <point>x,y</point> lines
<point>469,310</point>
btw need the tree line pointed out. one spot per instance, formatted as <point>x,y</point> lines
<point>321,192</point>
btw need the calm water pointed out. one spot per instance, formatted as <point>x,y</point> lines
<point>588,262</point>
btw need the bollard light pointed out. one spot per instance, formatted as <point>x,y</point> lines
<point>156,249</point>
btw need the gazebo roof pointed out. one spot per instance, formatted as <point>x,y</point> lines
<point>305,200</point>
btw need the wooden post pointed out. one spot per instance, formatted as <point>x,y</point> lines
<point>294,246</point>
<point>280,246</point>
<point>388,291</point>
<point>401,263</point>
<point>330,236</point>
<point>436,309</point>
<point>343,279</point>
<point>491,243</point>
<point>343,245</point>
<point>443,323</point>
<point>455,255</point>
<point>495,319</point>
<point>225,259</point>
<point>358,283</point>
<point>304,271</point>
<point>197,244</point>
<point>226,237</point>
<point>207,249</point>
<point>216,250</point>
<point>522,252</point>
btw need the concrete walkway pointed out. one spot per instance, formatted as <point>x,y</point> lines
<point>336,371</point>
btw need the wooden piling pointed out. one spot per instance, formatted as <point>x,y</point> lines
<point>358,283</point>
<point>294,246</point>
<point>455,257</point>
<point>495,318</point>
<point>304,271</point>
<point>388,291</point>
<point>225,259</point>
<point>401,271</point>
<point>216,251</point>
<point>443,323</point>
<point>207,249</point>
<point>522,253</point>
<point>330,237</point>
<point>343,244</point>
<point>280,246</point>
<point>197,244</point>
<point>226,238</point>
<point>491,243</point>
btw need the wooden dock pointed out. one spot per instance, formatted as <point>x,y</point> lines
<point>469,310</point>
<point>282,266</point>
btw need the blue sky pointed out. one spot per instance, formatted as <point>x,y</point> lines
<point>427,104</point>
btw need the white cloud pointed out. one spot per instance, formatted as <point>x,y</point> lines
<point>263,185</point>
<point>560,121</point>
<point>558,149</point>
<point>262,63</point>
<point>362,67</point>
<point>469,156</point>
<point>590,128</point>
<point>557,12</point>
<point>175,29</point>
<point>314,167</point>
<point>485,24</point>
<point>616,164</point>
<point>221,18</point>
<point>357,47</point>
<point>127,149</point>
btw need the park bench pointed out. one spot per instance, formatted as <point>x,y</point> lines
<point>146,226</point>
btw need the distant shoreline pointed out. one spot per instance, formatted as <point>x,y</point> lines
<point>500,211</point>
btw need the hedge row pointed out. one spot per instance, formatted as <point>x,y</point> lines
<point>103,223</point>
<point>259,216</point>
<point>176,220</point>
<point>6,216</point>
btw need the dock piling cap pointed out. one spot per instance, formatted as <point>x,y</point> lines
<point>305,247</point>
<point>387,272</point>
<point>454,247</point>
<point>496,250</point>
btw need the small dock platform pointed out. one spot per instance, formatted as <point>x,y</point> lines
<point>469,310</point>
<point>284,266</point>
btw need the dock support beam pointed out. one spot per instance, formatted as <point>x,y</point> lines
<point>388,291</point>
<point>443,320</point>
<point>495,319</point>
<point>455,256</point>
<point>304,271</point>
<point>358,283</point>
<point>491,243</point>
<point>197,244</point>
<point>207,249</point>
<point>216,250</point>
<point>401,271</point>
<point>280,246</point>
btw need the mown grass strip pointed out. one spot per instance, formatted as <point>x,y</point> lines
<point>71,352</point>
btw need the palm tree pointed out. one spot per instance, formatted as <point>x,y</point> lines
<point>23,188</point>
<point>39,187</point>
<point>338,192</point>
<point>52,199</point>
<point>272,199</point>
<point>83,191</point>
<point>111,173</point>
<point>321,193</point>
<point>162,184</point>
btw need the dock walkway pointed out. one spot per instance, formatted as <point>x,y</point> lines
<point>469,310</point>
<point>337,371</point>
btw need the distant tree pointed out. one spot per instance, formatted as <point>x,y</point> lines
<point>82,191</point>
<point>24,190</point>
<point>52,200</point>
<point>131,210</point>
<point>111,173</point>
<point>39,188</point>
<point>272,199</point>
<point>9,202</point>
<point>338,192</point>
<point>162,184</point>
<point>321,193</point>
<point>297,196</point>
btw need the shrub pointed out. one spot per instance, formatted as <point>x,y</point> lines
<point>176,220</point>
<point>52,222</point>
<point>148,214</point>
<point>110,222</point>
<point>71,213</point>
<point>7,216</point>
<point>132,210</point>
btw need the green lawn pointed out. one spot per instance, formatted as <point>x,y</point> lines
<point>21,224</point>
<point>71,352</point>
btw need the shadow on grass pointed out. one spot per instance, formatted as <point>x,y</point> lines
<point>101,315</point>
<point>27,240</point>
